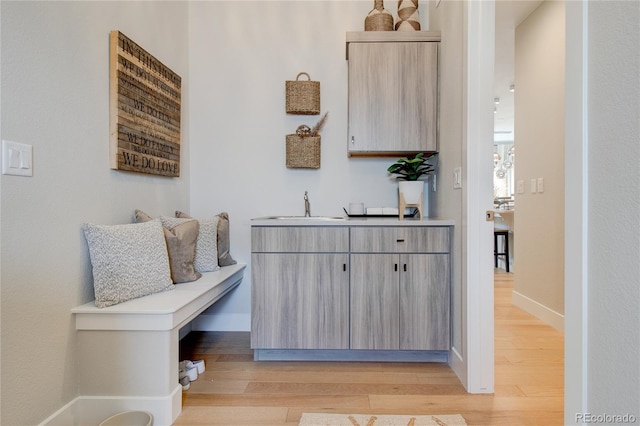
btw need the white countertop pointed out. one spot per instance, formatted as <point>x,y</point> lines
<point>349,221</point>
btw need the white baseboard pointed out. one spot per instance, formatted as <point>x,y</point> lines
<point>457,364</point>
<point>538,310</point>
<point>222,322</point>
<point>92,410</point>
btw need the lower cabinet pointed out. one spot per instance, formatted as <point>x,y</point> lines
<point>358,288</point>
<point>424,302</point>
<point>374,301</point>
<point>300,301</point>
<point>399,301</point>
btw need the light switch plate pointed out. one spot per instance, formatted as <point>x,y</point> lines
<point>520,187</point>
<point>533,186</point>
<point>17,158</point>
<point>457,178</point>
<point>540,185</point>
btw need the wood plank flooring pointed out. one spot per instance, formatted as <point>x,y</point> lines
<point>235,390</point>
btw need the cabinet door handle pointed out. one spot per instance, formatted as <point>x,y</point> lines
<point>353,140</point>
<point>396,267</point>
<point>405,267</point>
<point>344,267</point>
<point>400,241</point>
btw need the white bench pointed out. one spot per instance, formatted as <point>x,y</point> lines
<point>129,352</point>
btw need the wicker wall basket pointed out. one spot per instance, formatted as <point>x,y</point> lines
<point>303,96</point>
<point>303,153</point>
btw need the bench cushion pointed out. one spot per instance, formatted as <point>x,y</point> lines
<point>181,243</point>
<point>220,232</point>
<point>128,261</point>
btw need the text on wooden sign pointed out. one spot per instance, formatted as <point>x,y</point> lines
<point>145,101</point>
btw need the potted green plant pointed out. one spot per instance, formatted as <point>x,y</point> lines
<point>412,167</point>
<point>408,171</point>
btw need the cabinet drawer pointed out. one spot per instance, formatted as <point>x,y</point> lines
<point>299,239</point>
<point>407,239</point>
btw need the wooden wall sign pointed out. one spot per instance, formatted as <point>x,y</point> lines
<point>145,104</point>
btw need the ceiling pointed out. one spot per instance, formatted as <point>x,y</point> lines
<point>509,14</point>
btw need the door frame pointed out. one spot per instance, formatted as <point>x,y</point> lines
<point>576,212</point>
<point>477,272</point>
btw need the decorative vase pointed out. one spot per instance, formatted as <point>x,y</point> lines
<point>408,16</point>
<point>379,19</point>
<point>411,190</point>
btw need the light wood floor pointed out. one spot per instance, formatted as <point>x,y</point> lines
<point>235,390</point>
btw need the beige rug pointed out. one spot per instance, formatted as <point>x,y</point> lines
<point>321,419</point>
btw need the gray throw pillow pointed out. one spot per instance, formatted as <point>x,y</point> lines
<point>128,261</point>
<point>222,235</point>
<point>180,236</point>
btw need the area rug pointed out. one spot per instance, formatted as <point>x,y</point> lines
<point>322,419</point>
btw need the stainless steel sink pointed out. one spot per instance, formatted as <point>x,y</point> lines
<point>302,218</point>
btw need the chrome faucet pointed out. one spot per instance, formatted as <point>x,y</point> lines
<point>307,205</point>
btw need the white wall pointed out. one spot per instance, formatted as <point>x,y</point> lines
<point>539,138</point>
<point>612,313</point>
<point>448,19</point>
<point>55,81</point>
<point>602,343</point>
<point>241,54</point>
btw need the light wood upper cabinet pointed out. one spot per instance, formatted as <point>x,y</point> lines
<point>393,93</point>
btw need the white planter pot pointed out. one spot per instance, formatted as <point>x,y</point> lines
<point>411,190</point>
